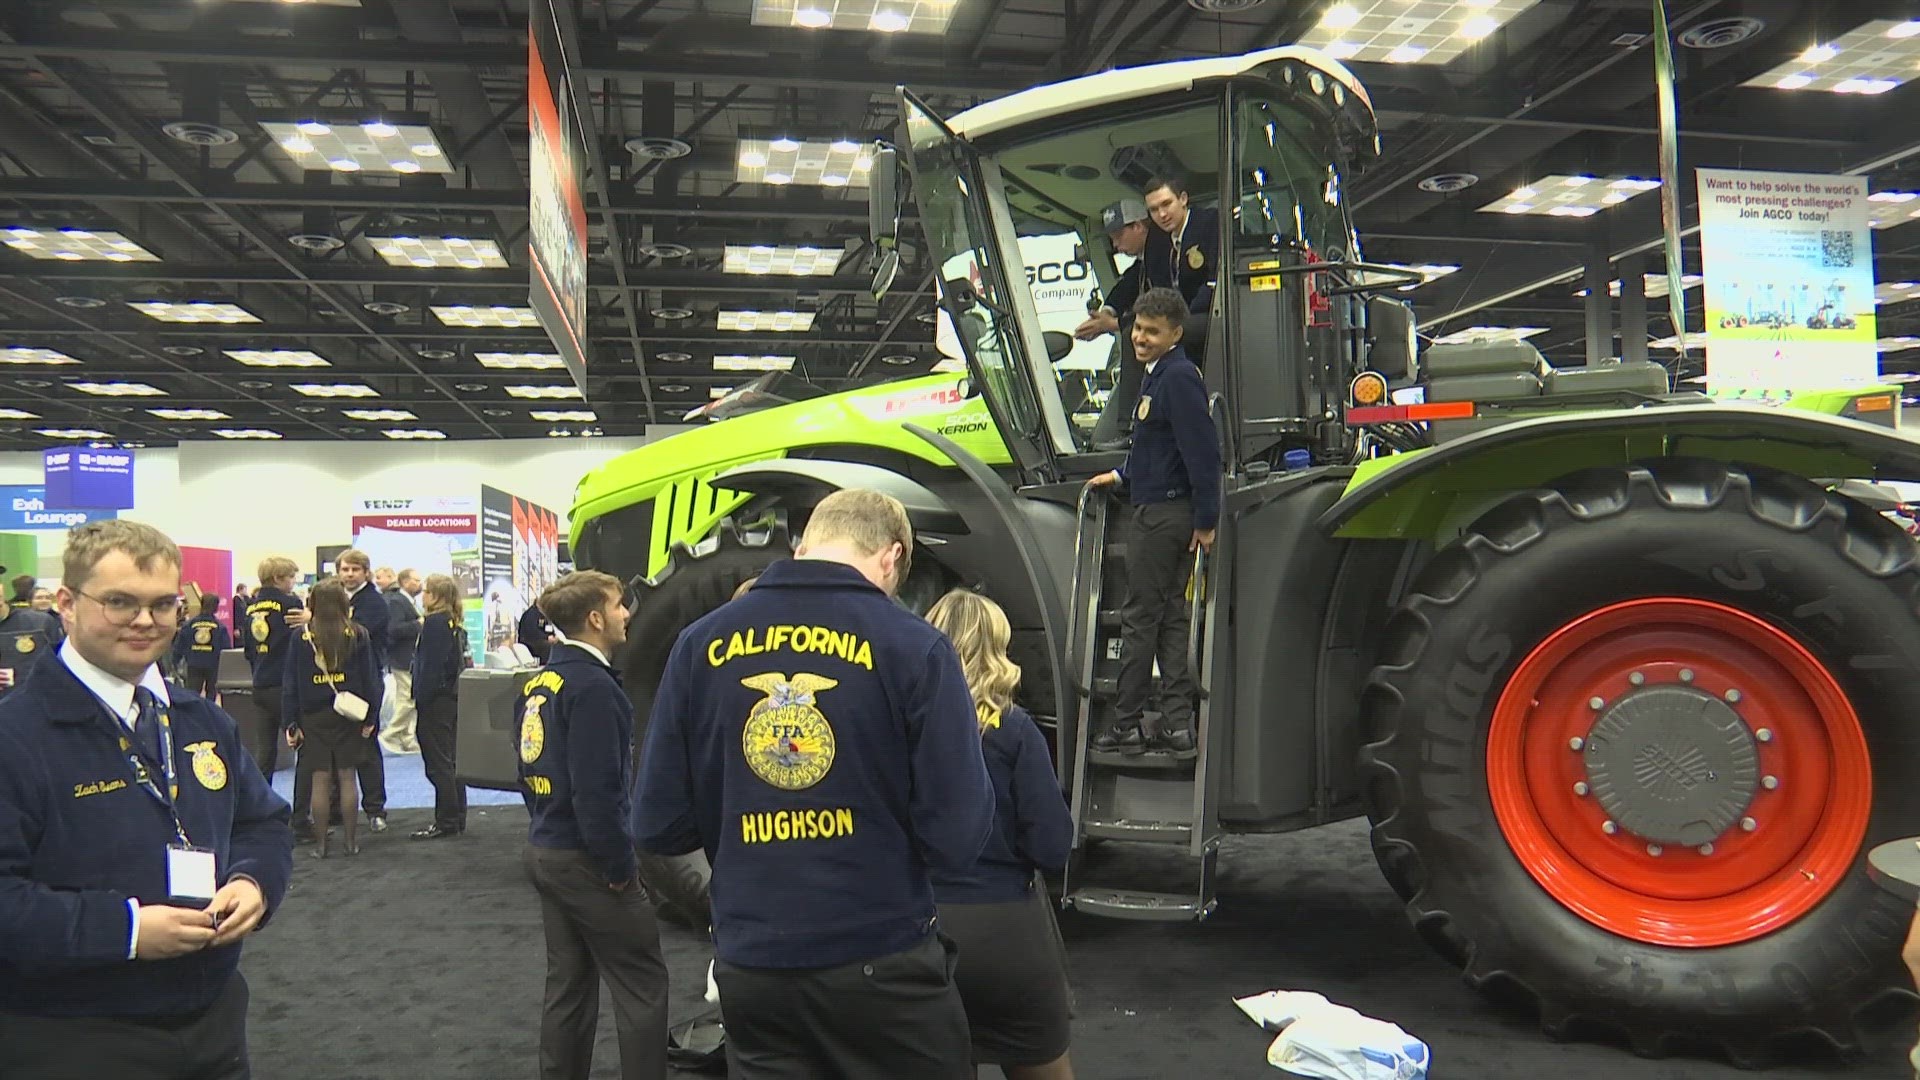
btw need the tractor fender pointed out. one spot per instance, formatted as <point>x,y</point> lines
<point>1431,494</point>
<point>806,480</point>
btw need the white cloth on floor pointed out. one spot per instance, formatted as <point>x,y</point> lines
<point>1332,1042</point>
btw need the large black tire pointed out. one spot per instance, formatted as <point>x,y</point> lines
<point>1834,576</point>
<point>696,580</point>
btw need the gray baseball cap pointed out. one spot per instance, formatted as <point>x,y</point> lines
<point>1122,214</point>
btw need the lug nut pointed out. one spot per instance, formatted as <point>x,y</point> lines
<point>1576,742</point>
<point>1609,828</point>
<point>1733,696</point>
<point>1654,850</point>
<point>1764,734</point>
<point>1686,674</point>
<point>1747,824</point>
<point>1706,849</point>
<point>1596,704</point>
<point>1638,678</point>
<point>1769,782</point>
<point>1580,788</point>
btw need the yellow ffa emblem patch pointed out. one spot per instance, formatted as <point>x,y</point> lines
<point>533,731</point>
<point>1195,259</point>
<point>1145,407</point>
<point>207,766</point>
<point>787,742</point>
<point>260,630</point>
<point>203,634</point>
<point>24,644</point>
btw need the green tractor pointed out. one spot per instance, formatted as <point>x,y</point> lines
<point>1622,678</point>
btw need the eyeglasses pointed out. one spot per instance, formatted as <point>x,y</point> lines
<point>122,609</point>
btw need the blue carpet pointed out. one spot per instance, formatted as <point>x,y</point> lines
<point>407,787</point>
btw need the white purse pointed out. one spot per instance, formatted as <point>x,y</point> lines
<point>345,702</point>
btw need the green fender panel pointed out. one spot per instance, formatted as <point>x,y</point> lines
<point>1430,493</point>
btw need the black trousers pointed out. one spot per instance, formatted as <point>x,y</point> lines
<point>1153,622</point>
<point>888,1018</point>
<point>436,732</point>
<point>209,1045</point>
<point>591,932</point>
<point>271,736</point>
<point>201,681</point>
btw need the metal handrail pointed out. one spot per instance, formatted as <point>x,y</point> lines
<point>1202,585</point>
<point>1085,562</point>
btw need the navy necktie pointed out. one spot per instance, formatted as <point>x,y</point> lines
<point>146,726</point>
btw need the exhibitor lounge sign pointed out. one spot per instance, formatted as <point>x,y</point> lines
<point>89,479</point>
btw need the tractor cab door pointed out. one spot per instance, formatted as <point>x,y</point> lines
<point>983,290</point>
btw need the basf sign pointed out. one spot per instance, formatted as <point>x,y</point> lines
<point>89,479</point>
<point>557,233</point>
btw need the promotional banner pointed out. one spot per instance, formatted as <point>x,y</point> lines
<point>89,479</point>
<point>557,221</point>
<point>24,506</point>
<point>439,535</point>
<point>1789,289</point>
<point>520,557</point>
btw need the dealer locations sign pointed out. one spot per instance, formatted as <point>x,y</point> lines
<point>89,479</point>
<point>1789,269</point>
<point>24,507</point>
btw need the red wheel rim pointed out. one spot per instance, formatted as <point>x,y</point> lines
<point>1806,829</point>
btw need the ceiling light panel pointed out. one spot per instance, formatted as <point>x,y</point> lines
<point>1490,333</point>
<point>753,363</point>
<point>543,391</point>
<point>18,414</point>
<point>1897,344</point>
<point>1891,208</point>
<point>1655,285</point>
<point>1896,292</point>
<point>414,433</point>
<point>335,390</point>
<point>508,361</point>
<point>842,163</point>
<point>370,147</point>
<point>785,260</point>
<point>20,354</point>
<point>447,252</point>
<point>189,414</point>
<point>718,392</point>
<point>70,433</point>
<point>117,389</point>
<point>1409,31</point>
<point>378,415</point>
<point>247,433</point>
<point>1570,196</point>
<point>581,416</point>
<point>1870,59</point>
<point>199,311</point>
<point>76,245</point>
<point>281,358</point>
<point>880,16</point>
<point>775,322</point>
<point>496,316</point>
<point>1695,340</point>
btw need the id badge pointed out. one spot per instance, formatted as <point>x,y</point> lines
<point>190,873</point>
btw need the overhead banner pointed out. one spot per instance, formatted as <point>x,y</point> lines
<point>557,222</point>
<point>24,506</point>
<point>1789,268</point>
<point>435,535</point>
<point>520,557</point>
<point>89,479</point>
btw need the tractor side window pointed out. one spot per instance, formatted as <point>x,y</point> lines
<point>1289,190</point>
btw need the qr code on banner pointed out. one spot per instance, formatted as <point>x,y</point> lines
<point>1836,249</point>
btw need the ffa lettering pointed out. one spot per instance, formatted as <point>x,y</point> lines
<point>783,825</point>
<point>539,785</point>
<point>546,680</point>
<point>799,639</point>
<point>336,677</point>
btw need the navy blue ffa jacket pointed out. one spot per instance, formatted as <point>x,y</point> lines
<point>576,760</point>
<point>267,634</point>
<point>1190,266</point>
<point>305,689</point>
<point>439,659</point>
<point>201,640</point>
<point>79,837</point>
<point>403,628</point>
<point>1032,828</point>
<point>819,742</point>
<point>1176,452</point>
<point>368,607</point>
<point>26,636</point>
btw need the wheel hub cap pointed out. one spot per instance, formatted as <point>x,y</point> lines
<point>1673,765</point>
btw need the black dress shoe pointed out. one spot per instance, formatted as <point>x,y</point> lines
<point>433,832</point>
<point>1127,740</point>
<point>1178,743</point>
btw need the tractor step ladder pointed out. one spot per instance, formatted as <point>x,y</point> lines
<point>1152,798</point>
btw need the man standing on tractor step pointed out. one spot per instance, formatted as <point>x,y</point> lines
<point>1172,476</point>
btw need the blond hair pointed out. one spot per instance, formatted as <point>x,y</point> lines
<point>443,594</point>
<point>569,601</point>
<point>980,632</point>
<point>868,520</point>
<point>274,567</point>
<point>353,557</point>
<point>88,544</point>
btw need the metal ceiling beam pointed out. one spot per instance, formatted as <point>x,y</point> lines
<point>360,274</point>
<point>410,334</point>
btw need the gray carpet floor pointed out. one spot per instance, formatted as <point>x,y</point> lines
<point>424,962</point>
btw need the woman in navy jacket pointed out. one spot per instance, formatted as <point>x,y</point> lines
<point>331,657</point>
<point>437,662</point>
<point>1012,969</point>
